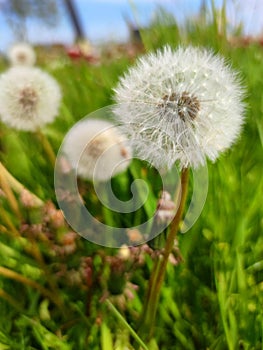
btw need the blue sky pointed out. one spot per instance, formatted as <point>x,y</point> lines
<point>103,19</point>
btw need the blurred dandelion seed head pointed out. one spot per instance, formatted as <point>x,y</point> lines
<point>180,106</point>
<point>21,54</point>
<point>30,98</point>
<point>97,150</point>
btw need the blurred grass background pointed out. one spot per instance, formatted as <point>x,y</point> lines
<point>212,300</point>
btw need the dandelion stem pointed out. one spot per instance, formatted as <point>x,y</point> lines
<point>47,147</point>
<point>147,321</point>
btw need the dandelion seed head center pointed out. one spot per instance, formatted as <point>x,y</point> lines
<point>21,57</point>
<point>124,152</point>
<point>28,98</point>
<point>183,104</point>
<point>95,147</point>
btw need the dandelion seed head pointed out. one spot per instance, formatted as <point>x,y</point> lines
<point>21,54</point>
<point>30,98</point>
<point>180,106</point>
<point>96,149</point>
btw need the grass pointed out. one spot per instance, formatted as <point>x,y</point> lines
<point>52,299</point>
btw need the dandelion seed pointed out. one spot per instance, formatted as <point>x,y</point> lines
<point>97,150</point>
<point>30,98</point>
<point>180,106</point>
<point>22,54</point>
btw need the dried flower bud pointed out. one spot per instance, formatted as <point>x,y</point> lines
<point>134,235</point>
<point>124,252</point>
<point>165,208</point>
<point>28,199</point>
<point>53,216</point>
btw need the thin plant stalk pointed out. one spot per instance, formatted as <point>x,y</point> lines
<point>147,321</point>
<point>34,250</point>
<point>6,187</point>
<point>125,323</point>
<point>10,183</point>
<point>36,253</point>
<point>26,281</point>
<point>4,295</point>
<point>46,147</point>
<point>10,227</point>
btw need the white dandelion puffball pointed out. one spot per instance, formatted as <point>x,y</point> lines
<point>21,54</point>
<point>96,150</point>
<point>29,98</point>
<point>183,105</point>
